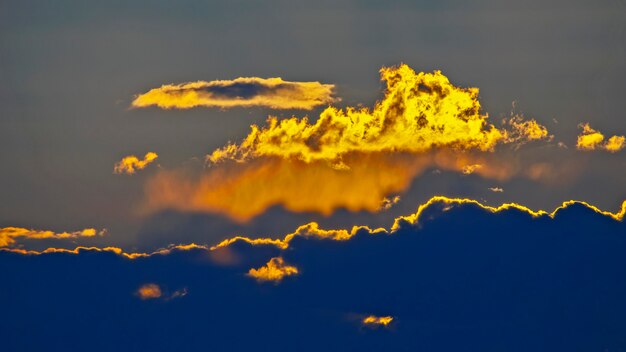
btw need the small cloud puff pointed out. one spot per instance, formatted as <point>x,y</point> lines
<point>275,270</point>
<point>130,164</point>
<point>591,139</point>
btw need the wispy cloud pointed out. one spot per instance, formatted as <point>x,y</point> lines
<point>10,235</point>
<point>273,93</point>
<point>130,164</point>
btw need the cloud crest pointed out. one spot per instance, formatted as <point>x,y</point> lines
<point>274,93</point>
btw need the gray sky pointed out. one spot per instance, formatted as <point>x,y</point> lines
<point>69,70</point>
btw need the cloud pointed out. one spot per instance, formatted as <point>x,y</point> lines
<point>149,291</point>
<point>373,320</point>
<point>153,291</point>
<point>496,189</point>
<point>387,203</point>
<point>420,111</point>
<point>590,139</point>
<point>273,93</point>
<point>523,131</point>
<point>10,235</point>
<point>454,268</point>
<point>275,270</point>
<point>130,164</point>
<point>470,169</point>
<point>349,158</point>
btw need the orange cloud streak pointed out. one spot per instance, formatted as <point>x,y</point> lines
<point>9,235</point>
<point>244,190</point>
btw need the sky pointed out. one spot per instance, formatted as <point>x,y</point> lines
<point>158,155</point>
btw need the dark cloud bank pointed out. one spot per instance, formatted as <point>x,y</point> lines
<point>464,279</point>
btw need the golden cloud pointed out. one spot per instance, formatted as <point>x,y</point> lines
<point>275,270</point>
<point>420,111</point>
<point>130,164</point>
<point>9,235</point>
<point>590,139</point>
<point>352,158</point>
<point>273,93</point>
<point>375,320</point>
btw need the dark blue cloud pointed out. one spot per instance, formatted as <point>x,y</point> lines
<point>462,279</point>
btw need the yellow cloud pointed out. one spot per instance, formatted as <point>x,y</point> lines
<point>9,235</point>
<point>591,139</point>
<point>523,131</point>
<point>420,111</point>
<point>130,164</point>
<point>375,320</point>
<point>149,291</point>
<point>615,144</point>
<point>274,93</point>
<point>275,270</point>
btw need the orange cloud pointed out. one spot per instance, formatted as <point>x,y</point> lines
<point>274,93</point>
<point>130,164</point>
<point>275,270</point>
<point>591,139</point>
<point>375,320</point>
<point>9,235</point>
<point>244,190</point>
<point>149,291</point>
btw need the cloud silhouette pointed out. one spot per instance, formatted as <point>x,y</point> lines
<point>494,278</point>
